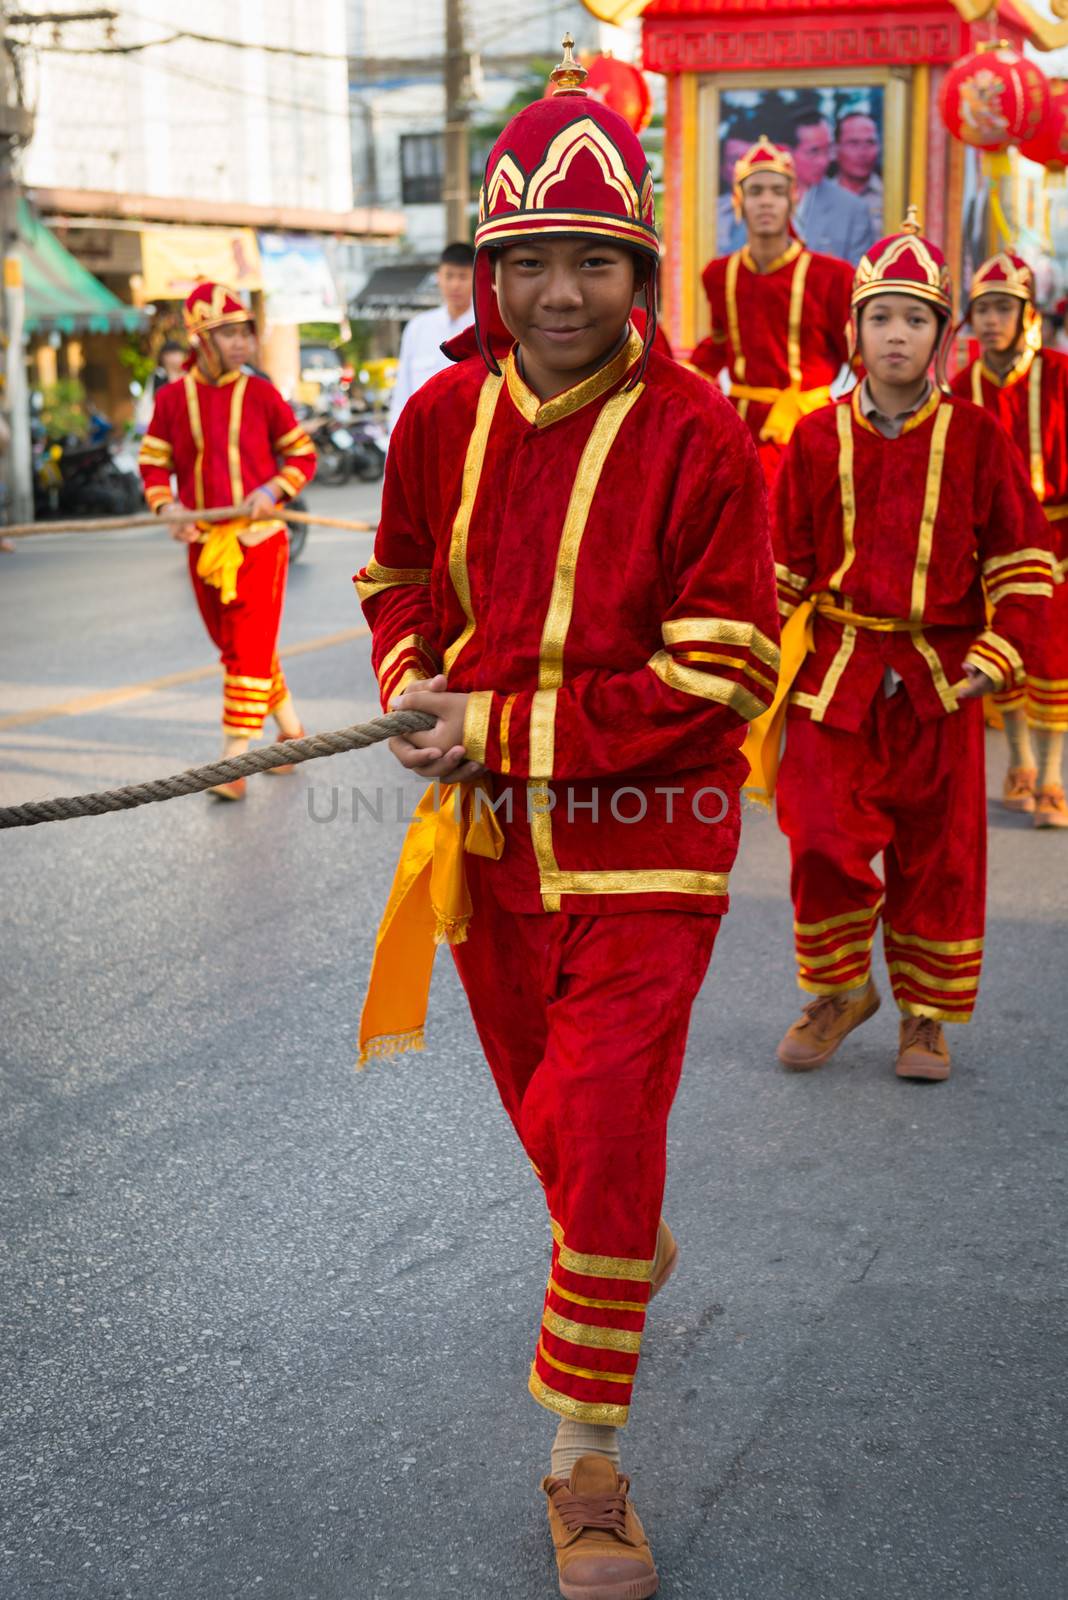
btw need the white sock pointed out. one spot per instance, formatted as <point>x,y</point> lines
<point>1050,745</point>
<point>574,1439</point>
<point>1019,736</point>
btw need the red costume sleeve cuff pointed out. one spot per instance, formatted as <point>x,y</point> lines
<point>995,656</point>
<point>1023,572</point>
<point>410,660</point>
<point>722,659</point>
<point>496,735</point>
<point>285,484</point>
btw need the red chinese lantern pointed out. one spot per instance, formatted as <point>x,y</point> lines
<point>623,88</point>
<point>619,86</point>
<point>994,97</point>
<point>1049,147</point>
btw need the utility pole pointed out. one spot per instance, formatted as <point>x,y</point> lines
<point>457,177</point>
<point>16,128</point>
<point>16,131</point>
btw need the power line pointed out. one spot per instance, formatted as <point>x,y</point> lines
<point>187,75</point>
<point>137,47</point>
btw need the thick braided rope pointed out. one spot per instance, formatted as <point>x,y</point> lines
<point>196,779</point>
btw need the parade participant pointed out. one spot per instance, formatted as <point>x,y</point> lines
<point>1026,388</point>
<point>170,365</point>
<point>222,433</point>
<point>779,312</point>
<point>891,508</point>
<point>420,348</point>
<point>573,553</point>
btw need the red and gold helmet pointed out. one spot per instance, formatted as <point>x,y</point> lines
<point>1009,274</point>
<point>763,157</point>
<point>906,263</point>
<point>1003,274</point>
<point>566,166</point>
<point>212,305</point>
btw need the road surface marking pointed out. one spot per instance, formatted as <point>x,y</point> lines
<point>134,691</point>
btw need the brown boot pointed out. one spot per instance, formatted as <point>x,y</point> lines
<point>601,1549</point>
<point>1049,807</point>
<point>665,1260</point>
<point>922,1051</point>
<point>1018,791</point>
<point>822,1026</point>
<point>229,791</point>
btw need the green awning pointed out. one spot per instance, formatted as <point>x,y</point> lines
<point>61,294</point>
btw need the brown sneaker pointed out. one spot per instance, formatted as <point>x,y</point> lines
<point>601,1549</point>
<point>822,1026</point>
<point>665,1260</point>
<point>1050,808</point>
<point>1018,790</point>
<point>229,791</point>
<point>922,1051</point>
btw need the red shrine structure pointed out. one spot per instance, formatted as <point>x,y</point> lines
<point>728,58</point>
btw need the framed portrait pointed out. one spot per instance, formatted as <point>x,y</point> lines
<point>848,134</point>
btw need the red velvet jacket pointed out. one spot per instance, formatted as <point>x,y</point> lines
<point>1031,403</point>
<point>776,328</point>
<point>222,441</point>
<point>597,572</point>
<point>908,529</point>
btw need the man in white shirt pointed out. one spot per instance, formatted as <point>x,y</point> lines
<point>421,341</point>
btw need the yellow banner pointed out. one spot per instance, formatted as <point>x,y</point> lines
<point>175,260</point>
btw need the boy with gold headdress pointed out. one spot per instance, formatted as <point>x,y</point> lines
<point>779,312</point>
<point>890,509</point>
<point>1026,388</point>
<point>228,438</point>
<point>573,555</point>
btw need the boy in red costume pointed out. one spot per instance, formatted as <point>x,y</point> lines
<point>891,508</point>
<point>222,433</point>
<point>779,312</point>
<point>1026,388</point>
<point>573,553</point>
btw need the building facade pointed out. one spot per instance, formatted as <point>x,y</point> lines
<point>215,147</point>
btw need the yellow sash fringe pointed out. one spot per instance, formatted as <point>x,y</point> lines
<point>220,558</point>
<point>428,905</point>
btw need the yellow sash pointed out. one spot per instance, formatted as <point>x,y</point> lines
<point>763,741</point>
<point>220,557</point>
<point>428,905</point>
<point>788,406</point>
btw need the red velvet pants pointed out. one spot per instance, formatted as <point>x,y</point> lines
<point>1045,694</point>
<point>584,1022</point>
<point>246,633</point>
<point>916,792</point>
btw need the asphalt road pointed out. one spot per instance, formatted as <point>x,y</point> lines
<point>265,1323</point>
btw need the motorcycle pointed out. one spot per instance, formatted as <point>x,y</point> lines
<point>96,480</point>
<point>347,443</point>
<point>370,440</point>
<point>333,448</point>
<point>92,477</point>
